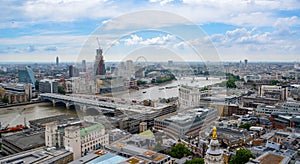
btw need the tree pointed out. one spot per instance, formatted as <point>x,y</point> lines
<point>195,161</point>
<point>245,126</point>
<point>242,156</point>
<point>37,84</point>
<point>140,82</point>
<point>179,151</point>
<point>231,83</point>
<point>274,82</point>
<point>61,90</point>
<point>5,99</point>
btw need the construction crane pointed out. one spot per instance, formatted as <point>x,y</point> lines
<point>98,42</point>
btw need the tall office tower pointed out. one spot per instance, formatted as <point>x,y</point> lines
<point>121,69</point>
<point>26,75</point>
<point>57,61</point>
<point>246,63</point>
<point>71,71</point>
<point>99,65</point>
<point>83,65</point>
<point>170,62</point>
<point>129,68</point>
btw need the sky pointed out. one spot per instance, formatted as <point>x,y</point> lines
<point>158,30</point>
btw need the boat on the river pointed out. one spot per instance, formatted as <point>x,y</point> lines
<point>170,87</point>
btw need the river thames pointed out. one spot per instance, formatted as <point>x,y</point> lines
<point>166,90</point>
<point>15,115</point>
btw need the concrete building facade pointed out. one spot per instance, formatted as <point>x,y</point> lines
<point>76,138</point>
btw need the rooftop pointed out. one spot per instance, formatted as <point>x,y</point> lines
<point>99,157</point>
<point>26,140</point>
<point>134,160</point>
<point>38,155</point>
<point>271,157</point>
<point>86,130</point>
<point>148,134</point>
<point>61,119</point>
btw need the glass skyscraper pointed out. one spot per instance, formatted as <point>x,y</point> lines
<point>26,75</point>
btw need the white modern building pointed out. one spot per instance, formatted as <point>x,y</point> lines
<point>190,96</point>
<point>82,84</point>
<point>273,91</point>
<point>291,106</point>
<point>186,123</point>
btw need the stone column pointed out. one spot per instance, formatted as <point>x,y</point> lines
<point>68,105</point>
<point>53,103</point>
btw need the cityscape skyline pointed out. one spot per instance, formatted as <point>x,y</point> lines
<point>150,81</point>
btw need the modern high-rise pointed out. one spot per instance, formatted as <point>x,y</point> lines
<point>26,75</point>
<point>99,65</point>
<point>83,65</point>
<point>129,69</point>
<point>48,86</point>
<point>71,71</point>
<point>246,63</point>
<point>57,61</point>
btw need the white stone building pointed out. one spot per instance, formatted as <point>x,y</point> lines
<point>190,96</point>
<point>76,138</point>
<point>83,85</point>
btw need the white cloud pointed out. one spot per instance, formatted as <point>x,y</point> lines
<point>67,10</point>
<point>149,19</point>
<point>256,45</point>
<point>235,12</point>
<point>133,40</point>
<point>282,26</point>
<point>160,40</point>
<point>161,2</point>
<point>286,22</point>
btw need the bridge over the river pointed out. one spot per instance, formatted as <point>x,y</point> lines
<point>83,102</point>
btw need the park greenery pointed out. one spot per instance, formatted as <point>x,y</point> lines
<point>275,82</point>
<point>164,79</point>
<point>179,151</point>
<point>242,156</point>
<point>61,90</point>
<point>245,126</point>
<point>140,82</point>
<point>37,85</point>
<point>195,161</point>
<point>5,99</point>
<point>230,83</point>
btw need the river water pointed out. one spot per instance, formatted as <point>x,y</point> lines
<point>166,90</point>
<point>16,115</point>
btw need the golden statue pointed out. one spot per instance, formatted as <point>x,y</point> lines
<point>214,135</point>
